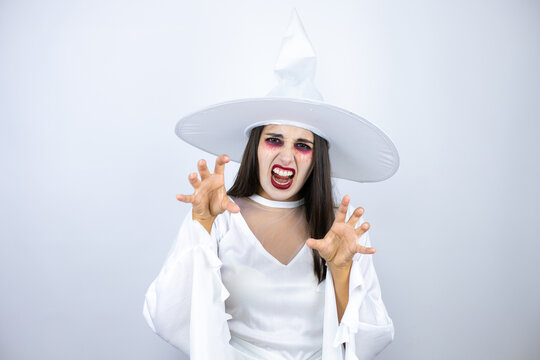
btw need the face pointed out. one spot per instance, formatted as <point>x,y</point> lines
<point>285,156</point>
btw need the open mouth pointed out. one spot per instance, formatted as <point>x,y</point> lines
<point>282,177</point>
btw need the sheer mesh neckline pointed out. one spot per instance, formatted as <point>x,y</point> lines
<point>276,204</point>
<point>279,226</point>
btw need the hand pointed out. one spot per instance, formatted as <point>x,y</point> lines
<point>341,242</point>
<point>209,198</point>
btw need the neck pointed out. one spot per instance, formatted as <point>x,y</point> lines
<point>276,204</point>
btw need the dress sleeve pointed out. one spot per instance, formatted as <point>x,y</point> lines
<point>185,303</point>
<point>365,328</point>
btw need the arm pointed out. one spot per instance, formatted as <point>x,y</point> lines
<point>185,303</point>
<point>338,248</point>
<point>365,328</point>
<point>355,315</point>
<point>340,277</point>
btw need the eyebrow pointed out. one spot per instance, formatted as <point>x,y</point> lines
<point>281,137</point>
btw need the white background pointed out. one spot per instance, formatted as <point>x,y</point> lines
<point>90,92</point>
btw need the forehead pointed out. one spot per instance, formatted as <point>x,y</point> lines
<point>289,131</point>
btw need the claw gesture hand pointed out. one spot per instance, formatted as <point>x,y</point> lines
<point>209,198</point>
<point>341,242</point>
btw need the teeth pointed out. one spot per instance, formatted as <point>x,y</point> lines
<point>283,182</point>
<point>282,172</point>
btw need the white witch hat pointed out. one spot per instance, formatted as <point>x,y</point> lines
<point>359,151</point>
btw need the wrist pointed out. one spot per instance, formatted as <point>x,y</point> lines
<point>202,218</point>
<point>206,222</point>
<point>340,272</point>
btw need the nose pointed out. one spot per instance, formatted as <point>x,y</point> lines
<point>286,155</point>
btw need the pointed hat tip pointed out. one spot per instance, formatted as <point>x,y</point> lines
<point>295,27</point>
<point>295,17</point>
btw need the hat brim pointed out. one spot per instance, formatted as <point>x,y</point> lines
<point>358,150</point>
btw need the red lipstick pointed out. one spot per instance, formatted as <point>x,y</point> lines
<point>282,181</point>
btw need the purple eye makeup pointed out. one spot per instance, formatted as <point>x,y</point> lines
<point>305,148</point>
<point>273,142</point>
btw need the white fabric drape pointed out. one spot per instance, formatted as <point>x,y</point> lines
<point>189,305</point>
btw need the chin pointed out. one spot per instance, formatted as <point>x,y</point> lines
<point>278,194</point>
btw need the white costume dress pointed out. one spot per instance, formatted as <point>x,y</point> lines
<point>223,296</point>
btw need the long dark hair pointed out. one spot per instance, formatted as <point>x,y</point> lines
<point>317,191</point>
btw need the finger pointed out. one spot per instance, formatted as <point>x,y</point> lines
<point>364,250</point>
<point>185,198</point>
<point>194,180</point>
<point>357,213</point>
<point>220,164</point>
<point>342,211</point>
<point>314,244</point>
<point>231,207</point>
<point>203,169</point>
<point>359,231</point>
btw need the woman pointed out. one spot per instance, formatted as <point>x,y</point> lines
<point>270,269</point>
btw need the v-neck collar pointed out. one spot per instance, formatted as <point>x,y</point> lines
<point>265,252</point>
<point>276,204</point>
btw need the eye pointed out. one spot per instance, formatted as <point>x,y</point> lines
<point>302,147</point>
<point>273,141</point>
